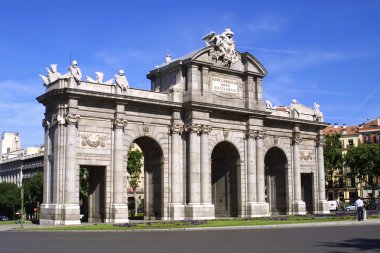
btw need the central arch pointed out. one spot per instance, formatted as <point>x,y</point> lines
<point>224,179</point>
<point>153,168</point>
<point>276,165</point>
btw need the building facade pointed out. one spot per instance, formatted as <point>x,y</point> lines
<point>21,164</point>
<point>211,146</point>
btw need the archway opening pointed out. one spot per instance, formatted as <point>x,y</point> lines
<point>149,200</point>
<point>92,193</point>
<point>275,180</point>
<point>224,179</point>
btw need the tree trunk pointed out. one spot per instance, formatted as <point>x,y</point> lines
<point>134,196</point>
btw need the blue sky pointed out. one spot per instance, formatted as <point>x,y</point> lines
<point>324,51</point>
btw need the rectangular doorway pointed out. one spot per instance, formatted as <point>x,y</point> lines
<point>307,190</point>
<point>93,183</point>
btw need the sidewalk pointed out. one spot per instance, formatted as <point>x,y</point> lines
<point>30,227</point>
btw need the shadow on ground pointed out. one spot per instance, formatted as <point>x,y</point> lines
<point>355,245</point>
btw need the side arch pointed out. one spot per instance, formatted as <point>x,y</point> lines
<point>276,174</point>
<point>153,176</point>
<point>225,178</point>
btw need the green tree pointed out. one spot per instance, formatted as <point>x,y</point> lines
<point>333,156</point>
<point>9,198</point>
<point>33,193</point>
<point>34,188</point>
<point>134,170</point>
<point>364,162</point>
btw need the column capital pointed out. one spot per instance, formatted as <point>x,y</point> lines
<point>261,134</point>
<point>119,123</point>
<point>176,129</point>
<point>193,128</point>
<point>206,129</point>
<point>296,139</point>
<point>72,119</point>
<point>46,124</point>
<point>320,141</point>
<point>57,119</point>
<point>251,133</point>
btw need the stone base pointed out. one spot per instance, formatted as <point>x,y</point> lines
<point>119,213</point>
<point>257,209</point>
<point>60,214</point>
<point>299,208</point>
<point>200,212</point>
<point>176,211</point>
<point>323,207</point>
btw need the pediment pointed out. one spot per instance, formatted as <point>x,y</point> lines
<point>246,62</point>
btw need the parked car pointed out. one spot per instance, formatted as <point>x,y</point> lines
<point>3,218</point>
<point>351,207</point>
<point>333,205</point>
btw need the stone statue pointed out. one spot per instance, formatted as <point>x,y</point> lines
<point>99,78</point>
<point>52,76</point>
<point>224,46</point>
<point>294,109</point>
<point>74,72</point>
<point>168,58</point>
<point>317,113</point>
<point>121,81</point>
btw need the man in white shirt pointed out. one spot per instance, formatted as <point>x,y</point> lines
<point>359,207</point>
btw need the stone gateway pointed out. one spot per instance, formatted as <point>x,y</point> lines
<point>211,147</point>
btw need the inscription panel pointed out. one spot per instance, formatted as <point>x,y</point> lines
<point>224,85</point>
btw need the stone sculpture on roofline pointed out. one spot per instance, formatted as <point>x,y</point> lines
<point>224,46</point>
<point>120,79</point>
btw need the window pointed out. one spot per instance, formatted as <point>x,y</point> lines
<point>378,137</point>
<point>368,138</point>
<point>351,142</point>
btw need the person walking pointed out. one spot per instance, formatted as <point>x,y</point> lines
<point>359,207</point>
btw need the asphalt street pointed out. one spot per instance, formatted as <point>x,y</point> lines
<point>334,239</point>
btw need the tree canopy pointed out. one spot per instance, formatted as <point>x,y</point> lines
<point>134,167</point>
<point>9,195</point>
<point>333,156</point>
<point>34,188</point>
<point>364,161</point>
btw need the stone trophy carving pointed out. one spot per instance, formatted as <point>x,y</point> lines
<point>306,155</point>
<point>121,81</point>
<point>93,140</point>
<point>52,76</point>
<point>99,78</point>
<point>317,113</point>
<point>224,46</point>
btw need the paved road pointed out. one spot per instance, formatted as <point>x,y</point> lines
<point>334,239</point>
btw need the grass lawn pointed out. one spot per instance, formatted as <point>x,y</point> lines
<point>210,223</point>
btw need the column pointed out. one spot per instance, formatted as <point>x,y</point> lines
<point>205,166</point>
<point>176,189</point>
<point>194,170</point>
<point>323,205</point>
<point>206,194</point>
<point>176,206</point>
<point>251,166</point>
<point>260,179</point>
<point>70,160</point>
<point>119,211</point>
<point>299,206</point>
<point>119,125</point>
<point>46,195</point>
<point>296,169</point>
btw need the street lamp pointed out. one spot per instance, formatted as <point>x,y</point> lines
<point>22,199</point>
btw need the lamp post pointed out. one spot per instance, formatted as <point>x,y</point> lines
<point>22,200</point>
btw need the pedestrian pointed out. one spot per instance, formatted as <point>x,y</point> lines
<point>359,207</point>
